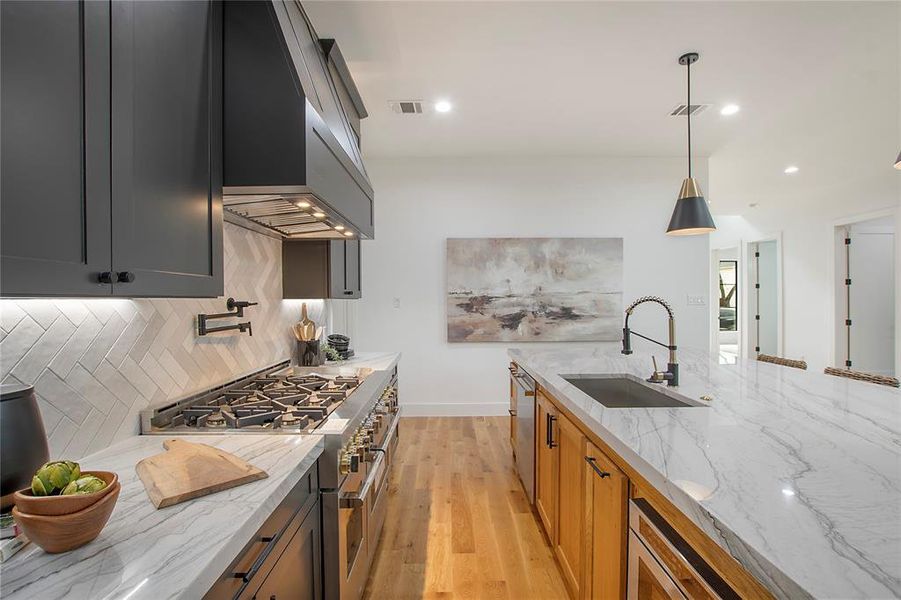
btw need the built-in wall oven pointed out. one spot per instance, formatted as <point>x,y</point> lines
<point>662,565</point>
<point>522,409</point>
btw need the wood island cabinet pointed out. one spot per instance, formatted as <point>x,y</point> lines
<point>571,481</point>
<point>607,528</point>
<point>546,465</point>
<point>583,492</point>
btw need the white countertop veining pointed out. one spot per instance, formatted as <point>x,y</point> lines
<point>176,552</point>
<point>795,473</point>
<point>377,361</point>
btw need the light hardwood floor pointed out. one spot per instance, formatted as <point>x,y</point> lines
<point>458,522</point>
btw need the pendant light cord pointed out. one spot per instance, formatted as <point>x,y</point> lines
<point>688,111</point>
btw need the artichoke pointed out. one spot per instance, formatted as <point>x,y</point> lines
<point>84,485</point>
<point>53,477</point>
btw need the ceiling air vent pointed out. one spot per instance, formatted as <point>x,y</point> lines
<point>406,107</point>
<point>681,110</point>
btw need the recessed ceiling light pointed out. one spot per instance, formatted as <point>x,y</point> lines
<point>349,233</point>
<point>730,109</point>
<point>319,215</point>
<point>790,169</point>
<point>339,227</point>
<point>788,491</point>
<point>443,106</point>
<point>302,204</point>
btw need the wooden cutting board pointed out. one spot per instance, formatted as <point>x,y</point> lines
<point>188,470</point>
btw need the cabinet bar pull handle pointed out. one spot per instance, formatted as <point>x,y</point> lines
<point>592,461</point>
<point>550,431</point>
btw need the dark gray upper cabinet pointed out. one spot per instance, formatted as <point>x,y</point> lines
<point>111,148</point>
<point>321,269</point>
<point>166,162</point>
<point>345,269</point>
<point>54,154</point>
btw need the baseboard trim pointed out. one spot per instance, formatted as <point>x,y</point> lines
<point>470,409</point>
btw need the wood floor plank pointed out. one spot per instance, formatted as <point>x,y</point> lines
<point>458,523</point>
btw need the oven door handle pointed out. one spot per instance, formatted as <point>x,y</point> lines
<point>358,499</point>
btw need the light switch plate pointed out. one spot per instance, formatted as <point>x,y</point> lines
<point>696,301</point>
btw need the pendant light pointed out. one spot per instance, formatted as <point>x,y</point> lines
<point>691,215</point>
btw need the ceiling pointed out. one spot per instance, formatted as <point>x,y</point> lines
<point>596,78</point>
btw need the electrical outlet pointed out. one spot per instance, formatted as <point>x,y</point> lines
<point>696,301</point>
<point>396,303</point>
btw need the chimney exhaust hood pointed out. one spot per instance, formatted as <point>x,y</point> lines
<point>291,157</point>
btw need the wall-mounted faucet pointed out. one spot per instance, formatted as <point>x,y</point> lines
<point>671,375</point>
<point>235,309</point>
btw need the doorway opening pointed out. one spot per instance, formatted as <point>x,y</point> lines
<point>865,296</point>
<point>727,306</point>
<point>765,298</point>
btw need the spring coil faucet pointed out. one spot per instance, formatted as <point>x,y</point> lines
<point>671,375</point>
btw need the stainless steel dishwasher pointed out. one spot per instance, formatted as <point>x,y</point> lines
<point>524,409</point>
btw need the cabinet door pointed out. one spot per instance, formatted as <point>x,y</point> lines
<point>608,490</point>
<point>344,269</point>
<point>297,573</point>
<point>54,119</point>
<point>571,502</point>
<point>167,147</point>
<point>546,469</point>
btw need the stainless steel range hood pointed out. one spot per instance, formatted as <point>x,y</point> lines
<point>291,150</point>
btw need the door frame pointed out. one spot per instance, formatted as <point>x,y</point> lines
<point>749,340</point>
<point>836,268</point>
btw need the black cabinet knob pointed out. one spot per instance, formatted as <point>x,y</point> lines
<point>105,277</point>
<point>348,292</point>
<point>125,277</point>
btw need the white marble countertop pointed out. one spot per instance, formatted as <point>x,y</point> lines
<point>377,361</point>
<point>797,474</point>
<point>175,552</point>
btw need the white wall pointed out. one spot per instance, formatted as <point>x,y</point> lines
<point>421,202</point>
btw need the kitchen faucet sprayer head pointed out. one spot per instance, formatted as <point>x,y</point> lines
<point>627,341</point>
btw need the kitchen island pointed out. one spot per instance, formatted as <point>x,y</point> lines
<point>174,552</point>
<point>795,474</point>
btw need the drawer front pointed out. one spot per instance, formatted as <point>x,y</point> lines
<point>259,555</point>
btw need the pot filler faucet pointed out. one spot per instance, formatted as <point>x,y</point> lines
<point>671,375</point>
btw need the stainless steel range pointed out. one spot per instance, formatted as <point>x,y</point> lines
<point>356,412</point>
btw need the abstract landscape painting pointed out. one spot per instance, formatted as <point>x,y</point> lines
<point>534,289</point>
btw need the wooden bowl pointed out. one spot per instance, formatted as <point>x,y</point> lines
<point>67,532</point>
<point>53,506</point>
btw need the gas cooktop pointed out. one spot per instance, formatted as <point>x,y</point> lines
<point>270,401</point>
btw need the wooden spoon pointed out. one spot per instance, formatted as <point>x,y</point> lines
<point>308,327</point>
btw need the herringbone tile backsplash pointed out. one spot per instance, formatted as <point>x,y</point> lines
<point>96,363</point>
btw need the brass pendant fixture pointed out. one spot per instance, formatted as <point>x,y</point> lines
<point>691,216</point>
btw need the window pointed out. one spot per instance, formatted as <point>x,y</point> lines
<point>728,295</point>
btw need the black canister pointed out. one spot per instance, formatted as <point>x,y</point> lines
<point>23,441</point>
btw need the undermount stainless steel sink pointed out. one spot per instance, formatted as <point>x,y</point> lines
<point>622,392</point>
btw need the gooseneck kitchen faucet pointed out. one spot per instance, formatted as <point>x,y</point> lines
<point>671,375</point>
